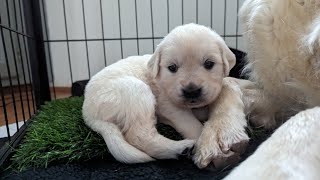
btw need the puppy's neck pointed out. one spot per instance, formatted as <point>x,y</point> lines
<point>202,113</point>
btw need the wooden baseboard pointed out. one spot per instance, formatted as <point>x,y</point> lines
<point>60,92</point>
<point>61,89</point>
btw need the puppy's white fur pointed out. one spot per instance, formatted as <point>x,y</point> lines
<point>283,55</point>
<point>121,101</point>
<point>223,137</point>
<point>292,152</point>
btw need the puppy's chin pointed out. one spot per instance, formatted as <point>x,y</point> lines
<point>196,104</point>
<point>182,102</point>
<point>204,101</point>
<point>187,103</point>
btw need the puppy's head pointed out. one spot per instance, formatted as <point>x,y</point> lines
<point>189,64</point>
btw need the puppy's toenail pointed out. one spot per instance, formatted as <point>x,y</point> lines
<point>225,150</point>
<point>185,151</point>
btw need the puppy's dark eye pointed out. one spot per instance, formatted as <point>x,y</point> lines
<point>208,64</point>
<point>173,68</point>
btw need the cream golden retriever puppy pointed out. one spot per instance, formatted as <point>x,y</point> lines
<point>283,39</point>
<point>292,152</point>
<point>183,77</point>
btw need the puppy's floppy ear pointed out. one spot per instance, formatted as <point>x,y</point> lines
<point>228,59</point>
<point>154,63</point>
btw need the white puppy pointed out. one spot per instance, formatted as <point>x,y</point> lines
<point>185,72</point>
<point>283,40</point>
<point>284,60</point>
<point>292,152</point>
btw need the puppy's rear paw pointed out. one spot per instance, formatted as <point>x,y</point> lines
<point>187,153</point>
<point>186,148</point>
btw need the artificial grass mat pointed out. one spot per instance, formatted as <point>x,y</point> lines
<point>58,135</point>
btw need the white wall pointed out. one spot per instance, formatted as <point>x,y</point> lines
<point>79,64</point>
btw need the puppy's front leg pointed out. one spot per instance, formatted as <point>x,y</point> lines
<point>182,120</point>
<point>224,136</point>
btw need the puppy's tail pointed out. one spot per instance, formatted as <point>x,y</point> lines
<point>120,148</point>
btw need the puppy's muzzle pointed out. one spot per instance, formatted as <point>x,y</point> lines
<point>192,92</point>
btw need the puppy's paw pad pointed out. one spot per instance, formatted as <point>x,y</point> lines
<point>234,141</point>
<point>240,147</point>
<point>225,160</point>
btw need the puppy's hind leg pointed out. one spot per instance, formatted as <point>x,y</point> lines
<point>140,130</point>
<point>123,112</point>
<point>155,145</point>
<point>118,146</point>
<point>109,109</point>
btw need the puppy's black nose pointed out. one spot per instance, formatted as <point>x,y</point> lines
<point>192,92</point>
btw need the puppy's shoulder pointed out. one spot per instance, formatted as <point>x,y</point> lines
<point>230,82</point>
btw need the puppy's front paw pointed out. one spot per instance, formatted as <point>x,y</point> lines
<point>233,141</point>
<point>221,149</point>
<point>206,151</point>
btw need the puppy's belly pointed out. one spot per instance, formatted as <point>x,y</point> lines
<point>202,114</point>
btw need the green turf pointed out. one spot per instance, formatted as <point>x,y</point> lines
<point>58,135</point>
